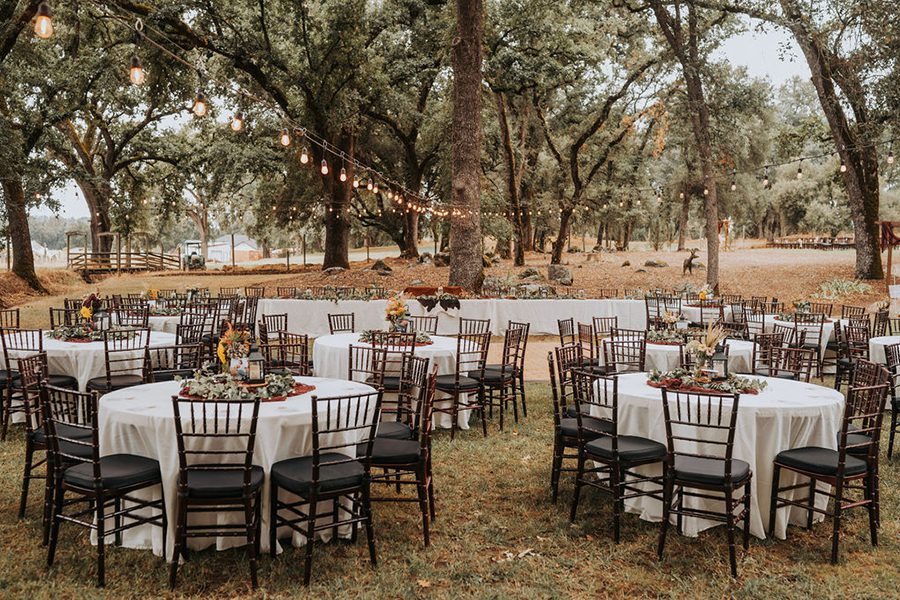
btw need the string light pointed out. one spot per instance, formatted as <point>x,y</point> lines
<point>369,185</point>
<point>706,191</point>
<point>681,195</point>
<point>43,24</point>
<point>355,182</point>
<point>375,188</point>
<point>136,73</point>
<point>200,107</point>
<point>237,122</point>
<point>324,167</point>
<point>766,177</point>
<point>343,176</point>
<point>304,156</point>
<point>285,138</point>
<point>800,170</point>
<point>890,158</point>
<point>843,166</point>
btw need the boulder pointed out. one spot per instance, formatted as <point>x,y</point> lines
<point>656,263</point>
<point>416,282</point>
<point>530,273</point>
<point>441,259</point>
<point>426,259</point>
<point>381,267</point>
<point>627,263</point>
<point>334,270</point>
<point>560,274</point>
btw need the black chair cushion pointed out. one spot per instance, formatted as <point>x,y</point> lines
<point>821,461</point>
<point>116,471</point>
<point>496,378</point>
<point>854,439</point>
<point>63,381</point>
<point>5,377</point>
<point>394,430</point>
<point>499,367</point>
<point>569,426</point>
<point>391,383</point>
<point>448,383</point>
<point>222,484</point>
<point>779,374</point>
<point>708,471</point>
<point>39,436</point>
<point>170,375</point>
<point>393,452</point>
<point>118,382</point>
<point>295,474</point>
<point>631,449</point>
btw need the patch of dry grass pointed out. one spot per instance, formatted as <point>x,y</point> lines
<point>492,499</point>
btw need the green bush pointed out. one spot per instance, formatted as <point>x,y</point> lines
<point>838,288</point>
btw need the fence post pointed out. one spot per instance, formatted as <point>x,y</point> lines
<point>232,251</point>
<point>287,254</point>
<point>304,249</point>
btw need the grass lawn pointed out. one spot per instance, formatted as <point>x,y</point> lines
<point>497,536</point>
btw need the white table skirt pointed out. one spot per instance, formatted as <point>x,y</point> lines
<point>877,345</point>
<point>139,420</point>
<point>164,323</point>
<point>665,357</point>
<point>84,361</point>
<point>331,357</point>
<point>787,414</point>
<point>311,316</point>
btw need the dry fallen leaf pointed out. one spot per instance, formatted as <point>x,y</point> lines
<point>423,583</point>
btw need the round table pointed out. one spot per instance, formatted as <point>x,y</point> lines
<point>331,357</point>
<point>666,357</point>
<point>86,360</point>
<point>139,420</point>
<point>786,414</point>
<point>878,345</point>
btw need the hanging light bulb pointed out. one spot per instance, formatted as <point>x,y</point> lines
<point>890,158</point>
<point>355,182</point>
<point>375,188</point>
<point>343,175</point>
<point>304,156</point>
<point>43,24</point>
<point>200,107</point>
<point>733,185</point>
<point>800,171</point>
<point>324,167</point>
<point>390,196</point>
<point>706,191</point>
<point>681,195</point>
<point>136,73</point>
<point>843,166</point>
<point>369,185</point>
<point>285,138</point>
<point>237,122</point>
<point>766,178</point>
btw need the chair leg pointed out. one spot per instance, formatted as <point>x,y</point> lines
<point>431,490</point>
<point>7,407</point>
<point>48,501</point>
<point>100,502</point>
<point>421,478</point>
<point>370,529</point>
<point>249,512</point>
<point>667,509</point>
<point>747,515</point>
<point>58,497</point>
<point>556,469</point>
<point>617,480</point>
<point>484,416</point>
<point>180,538</point>
<point>310,539</point>
<point>890,451</point>
<point>871,483</point>
<point>810,513</point>
<point>679,518</point>
<point>578,478</point>
<point>273,518</point>
<point>773,505</point>
<point>117,521</point>
<point>729,525</point>
<point>522,392</point>
<point>454,415</point>
<point>26,477</point>
<point>836,535</point>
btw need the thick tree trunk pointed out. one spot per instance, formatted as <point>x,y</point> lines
<point>559,244</point>
<point>857,152</point>
<point>17,219</point>
<point>466,267</point>
<point>98,203</point>
<point>337,216</point>
<point>410,247</point>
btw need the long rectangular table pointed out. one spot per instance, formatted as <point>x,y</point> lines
<point>311,316</point>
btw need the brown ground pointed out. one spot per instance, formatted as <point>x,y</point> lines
<point>786,274</point>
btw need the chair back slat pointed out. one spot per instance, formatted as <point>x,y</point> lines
<point>701,425</point>
<point>342,323</point>
<point>342,425</point>
<point>77,412</point>
<point>424,324</point>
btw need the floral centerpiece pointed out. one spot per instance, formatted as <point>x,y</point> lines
<point>151,294</point>
<point>706,293</point>
<point>397,313</point>
<point>164,311</point>
<point>703,349</point>
<point>233,349</point>
<point>226,386</point>
<point>668,337</point>
<point>91,306</point>
<point>802,306</point>
<point>685,381</point>
<point>86,332</point>
<point>368,337</point>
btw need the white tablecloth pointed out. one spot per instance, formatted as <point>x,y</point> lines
<point>84,361</point>
<point>665,357</point>
<point>167,323</point>
<point>139,420</point>
<point>827,328</point>
<point>331,357</point>
<point>311,316</point>
<point>877,345</point>
<point>787,414</point>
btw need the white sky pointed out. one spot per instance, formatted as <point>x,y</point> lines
<point>760,53</point>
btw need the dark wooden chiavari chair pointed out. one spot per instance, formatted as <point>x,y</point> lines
<point>791,363</point>
<point>652,311</point>
<point>624,355</point>
<point>396,346</point>
<point>759,303</point>
<point>731,298</point>
<point>892,359</point>
<point>499,382</point>
<point>589,350</point>
<point>424,324</point>
<point>255,291</point>
<point>229,292</point>
<point>881,324</point>
<point>96,483</point>
<point>399,414</point>
<point>608,293</point>
<point>848,311</point>
<point>566,331</point>
<point>519,369</point>
<point>852,467</point>
<point>711,312</point>
<point>285,291</point>
<point>328,475</point>
<point>606,459</point>
<point>189,334</point>
<point>126,361</point>
<point>854,347</point>
<point>176,360</point>
<point>763,343</point>
<point>60,317</point>
<point>167,293</point>
<point>408,461</point>
<point>292,352</point>
<point>244,315</point>
<point>822,308</point>
<point>216,474</point>
<point>342,323</point>
<point>701,465</point>
<point>271,325</point>
<point>463,386</point>
<point>474,327</point>
<point>812,325</point>
<point>133,316</point>
<point>755,322</point>
<point>366,365</point>
<point>9,319</point>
